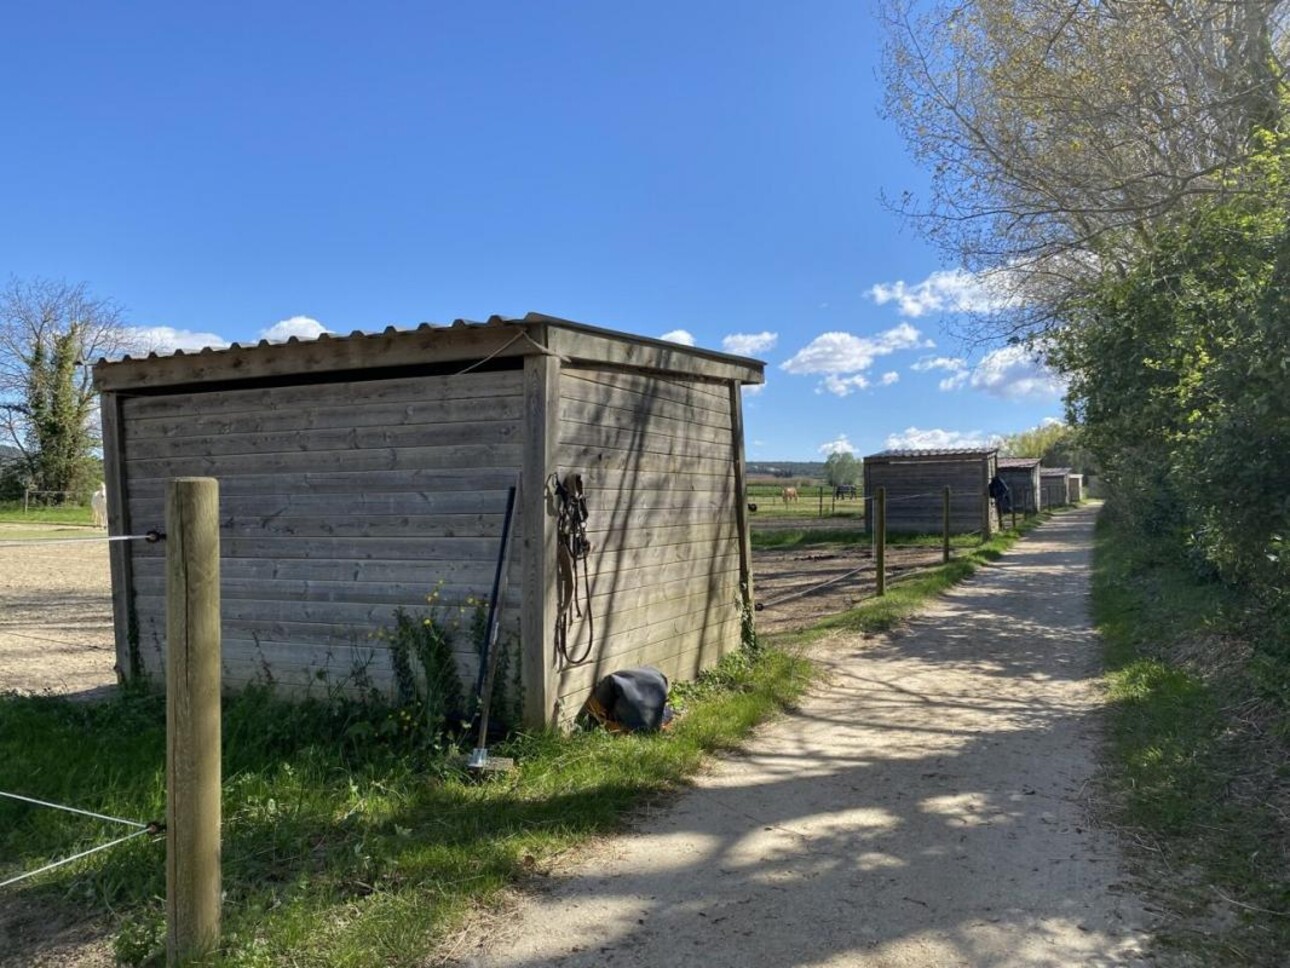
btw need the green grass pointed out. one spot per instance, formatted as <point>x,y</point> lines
<point>1195,760</point>
<point>341,845</point>
<point>12,513</point>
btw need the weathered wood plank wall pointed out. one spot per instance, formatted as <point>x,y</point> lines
<point>1056,489</point>
<point>915,488</point>
<point>340,503</point>
<point>1023,485</point>
<point>655,453</point>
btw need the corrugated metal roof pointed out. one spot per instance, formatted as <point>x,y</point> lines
<point>934,452</point>
<point>495,321</point>
<point>1018,461</point>
<point>1053,471</point>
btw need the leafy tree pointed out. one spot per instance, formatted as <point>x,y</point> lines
<point>1061,135</point>
<point>841,468</point>
<point>47,400</point>
<point>1180,377</point>
<point>1056,444</point>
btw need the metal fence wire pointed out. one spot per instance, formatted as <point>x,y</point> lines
<point>142,829</point>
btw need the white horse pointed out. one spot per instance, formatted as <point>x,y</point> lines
<point>98,506</point>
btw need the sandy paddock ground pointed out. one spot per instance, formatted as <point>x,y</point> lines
<point>55,611</point>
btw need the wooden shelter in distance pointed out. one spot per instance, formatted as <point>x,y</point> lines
<point>915,481</point>
<point>366,473</point>
<point>1021,474</point>
<point>1055,486</point>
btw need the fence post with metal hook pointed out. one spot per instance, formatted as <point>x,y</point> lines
<point>192,718</point>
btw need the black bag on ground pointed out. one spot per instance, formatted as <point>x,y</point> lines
<point>634,700</point>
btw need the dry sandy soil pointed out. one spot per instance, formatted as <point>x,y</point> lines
<point>922,809</point>
<point>791,585</point>
<point>55,611</point>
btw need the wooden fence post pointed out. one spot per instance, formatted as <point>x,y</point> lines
<point>192,718</point>
<point>945,526</point>
<point>821,500</point>
<point>880,535</point>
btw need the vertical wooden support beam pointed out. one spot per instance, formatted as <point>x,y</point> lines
<point>986,526</point>
<point>880,536</point>
<point>538,537</point>
<point>741,494</point>
<point>129,663</point>
<point>192,718</point>
<point>945,526</point>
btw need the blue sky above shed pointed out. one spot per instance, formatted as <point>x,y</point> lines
<point>706,172</point>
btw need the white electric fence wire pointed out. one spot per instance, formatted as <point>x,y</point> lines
<point>151,536</point>
<point>74,857</point>
<point>84,813</point>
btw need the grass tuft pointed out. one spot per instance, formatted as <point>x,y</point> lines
<point>1197,757</point>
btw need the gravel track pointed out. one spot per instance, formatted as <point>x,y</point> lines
<point>923,807</point>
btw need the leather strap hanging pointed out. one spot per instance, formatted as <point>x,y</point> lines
<point>572,548</point>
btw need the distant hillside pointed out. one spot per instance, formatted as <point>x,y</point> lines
<point>785,468</point>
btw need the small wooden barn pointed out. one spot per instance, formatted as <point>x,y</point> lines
<point>1054,486</point>
<point>1075,487</point>
<point>1021,474</point>
<point>367,473</point>
<point>915,481</point>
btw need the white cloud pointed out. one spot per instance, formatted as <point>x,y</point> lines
<point>753,389</point>
<point>1015,373</point>
<point>141,340</point>
<point>1051,422</point>
<point>845,353</point>
<point>954,291</point>
<point>839,446</point>
<point>1012,372</point>
<point>681,336</point>
<point>749,344</point>
<point>936,439</point>
<point>954,364</point>
<point>889,378</point>
<point>301,327</point>
<point>842,386</point>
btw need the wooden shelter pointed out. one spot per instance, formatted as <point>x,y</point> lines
<point>1075,487</point>
<point>369,473</point>
<point>915,481</point>
<point>1054,486</point>
<point>1021,474</point>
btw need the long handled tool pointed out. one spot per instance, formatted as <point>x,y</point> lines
<point>479,760</point>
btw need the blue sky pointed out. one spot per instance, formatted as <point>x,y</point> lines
<point>705,170</point>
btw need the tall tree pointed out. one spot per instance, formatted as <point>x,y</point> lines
<point>1061,134</point>
<point>841,468</point>
<point>47,400</point>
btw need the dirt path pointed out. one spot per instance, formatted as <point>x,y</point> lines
<point>923,808</point>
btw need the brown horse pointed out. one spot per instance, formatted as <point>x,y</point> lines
<point>789,494</point>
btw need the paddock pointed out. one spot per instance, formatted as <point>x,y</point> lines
<point>364,474</point>
<point>56,636</point>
